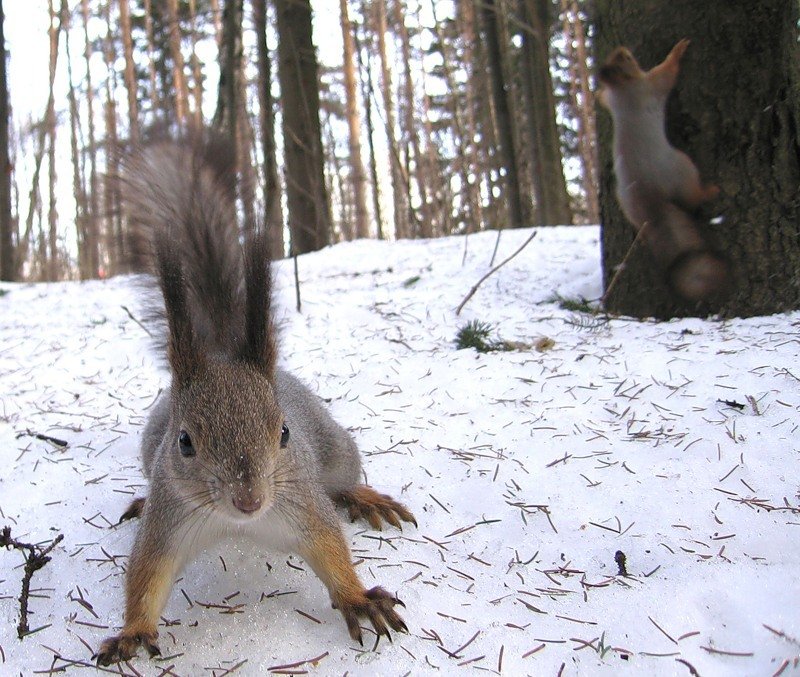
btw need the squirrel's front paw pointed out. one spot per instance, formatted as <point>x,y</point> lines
<point>123,647</point>
<point>378,606</point>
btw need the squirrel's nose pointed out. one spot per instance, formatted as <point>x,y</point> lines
<point>246,502</point>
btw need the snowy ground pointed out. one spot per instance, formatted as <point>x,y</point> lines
<point>527,472</point>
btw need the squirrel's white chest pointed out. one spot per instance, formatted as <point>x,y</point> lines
<point>271,531</point>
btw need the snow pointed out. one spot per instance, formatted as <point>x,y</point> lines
<point>527,472</point>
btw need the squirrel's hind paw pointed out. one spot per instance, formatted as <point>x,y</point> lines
<point>123,647</point>
<point>377,605</point>
<point>364,502</point>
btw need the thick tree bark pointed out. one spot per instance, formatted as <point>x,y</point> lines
<point>739,122</point>
<point>505,117</point>
<point>7,267</point>
<point>307,197</point>
<point>548,172</point>
<point>272,187</point>
<point>358,176</point>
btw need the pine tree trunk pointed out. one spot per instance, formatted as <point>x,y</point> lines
<point>130,71</point>
<point>111,193</point>
<point>357,174</point>
<point>34,198</point>
<point>178,77</point>
<point>7,268</point>
<point>307,197</point>
<point>466,205</point>
<point>399,192</point>
<point>739,121</point>
<point>548,171</point>
<point>197,74</point>
<point>505,117</point>
<point>52,267</point>
<point>272,187</point>
<point>408,119</point>
<point>231,116</point>
<point>155,99</point>
<point>477,167</point>
<point>582,102</point>
<point>367,94</point>
<point>93,214</point>
<point>78,188</point>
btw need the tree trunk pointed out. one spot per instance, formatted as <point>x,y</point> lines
<point>197,73</point>
<point>178,77</point>
<point>155,99</point>
<point>477,168</point>
<point>408,121</point>
<point>272,188</point>
<point>52,268</point>
<point>78,188</point>
<point>582,101</point>
<point>357,174</point>
<point>399,192</point>
<point>307,197</point>
<point>367,94</point>
<point>505,117</point>
<point>130,70</point>
<point>115,241</point>
<point>7,267</point>
<point>467,195</point>
<point>739,123</point>
<point>547,170</point>
<point>93,215</point>
<point>230,116</point>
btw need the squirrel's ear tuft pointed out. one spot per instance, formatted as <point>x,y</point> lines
<point>184,356</point>
<point>259,349</point>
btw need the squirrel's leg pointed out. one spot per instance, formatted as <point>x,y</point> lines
<point>325,549</point>
<point>363,501</point>
<point>152,568</point>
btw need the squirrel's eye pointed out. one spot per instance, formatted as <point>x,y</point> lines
<point>284,435</point>
<point>185,444</point>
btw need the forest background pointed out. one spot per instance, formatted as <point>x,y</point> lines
<point>399,119</point>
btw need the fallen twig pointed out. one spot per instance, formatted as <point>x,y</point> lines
<point>35,558</point>
<point>472,291</point>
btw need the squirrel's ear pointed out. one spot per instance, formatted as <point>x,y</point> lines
<point>259,349</point>
<point>184,356</point>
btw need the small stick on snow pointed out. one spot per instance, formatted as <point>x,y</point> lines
<point>472,291</point>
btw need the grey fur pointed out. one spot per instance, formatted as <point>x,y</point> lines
<point>215,447</point>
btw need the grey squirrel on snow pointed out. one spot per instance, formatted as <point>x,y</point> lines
<point>658,186</point>
<point>236,445</point>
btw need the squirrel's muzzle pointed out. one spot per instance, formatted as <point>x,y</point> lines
<point>246,500</point>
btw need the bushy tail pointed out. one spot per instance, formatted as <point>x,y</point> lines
<point>180,204</point>
<point>691,265</point>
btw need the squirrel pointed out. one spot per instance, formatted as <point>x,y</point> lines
<point>236,445</point>
<point>658,186</point>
